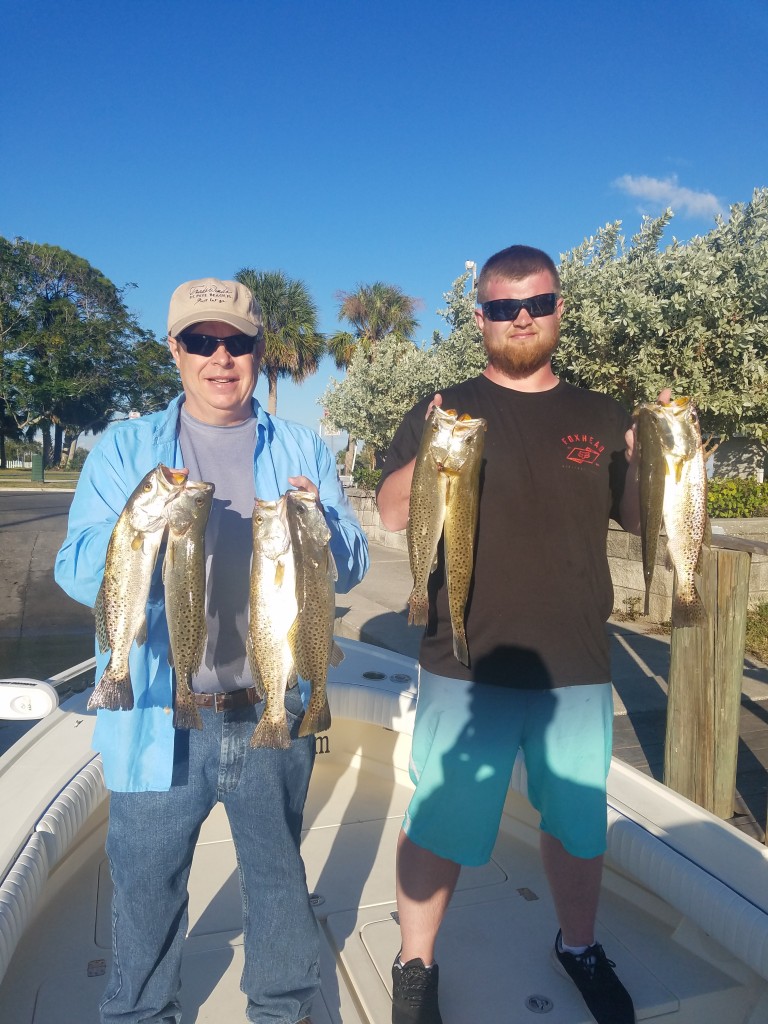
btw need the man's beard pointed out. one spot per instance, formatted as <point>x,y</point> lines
<point>519,358</point>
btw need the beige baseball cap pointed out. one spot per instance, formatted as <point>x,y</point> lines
<point>208,299</point>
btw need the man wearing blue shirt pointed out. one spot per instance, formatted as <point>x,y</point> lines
<point>163,781</point>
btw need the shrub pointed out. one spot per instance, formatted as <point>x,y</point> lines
<point>757,632</point>
<point>365,478</point>
<point>736,498</point>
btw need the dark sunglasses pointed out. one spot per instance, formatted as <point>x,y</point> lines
<point>509,309</point>
<point>206,344</point>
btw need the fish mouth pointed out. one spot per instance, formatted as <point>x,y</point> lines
<point>175,477</point>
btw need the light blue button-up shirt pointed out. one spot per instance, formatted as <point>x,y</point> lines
<point>137,746</point>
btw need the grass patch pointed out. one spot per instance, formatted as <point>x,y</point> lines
<point>19,479</point>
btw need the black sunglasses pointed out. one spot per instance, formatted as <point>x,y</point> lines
<point>509,309</point>
<point>206,344</point>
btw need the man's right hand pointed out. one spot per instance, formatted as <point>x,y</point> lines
<point>394,498</point>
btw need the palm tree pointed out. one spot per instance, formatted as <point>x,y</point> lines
<point>293,344</point>
<point>374,311</point>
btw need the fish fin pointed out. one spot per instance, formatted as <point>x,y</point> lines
<point>170,656</point>
<point>253,664</point>
<point>136,541</point>
<point>141,632</point>
<point>101,621</point>
<point>279,573</point>
<point>706,542</point>
<point>292,637</point>
<point>460,648</point>
<point>113,693</point>
<point>337,655</point>
<point>168,559</point>
<point>271,734</point>
<point>317,721</point>
<point>331,567</point>
<point>418,609</point>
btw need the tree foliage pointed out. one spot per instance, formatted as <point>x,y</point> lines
<point>692,316</point>
<point>461,354</point>
<point>70,351</point>
<point>377,313</point>
<point>388,378</point>
<point>293,345</point>
<point>374,311</point>
<point>370,401</point>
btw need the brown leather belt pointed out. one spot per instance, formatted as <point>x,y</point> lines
<point>227,701</point>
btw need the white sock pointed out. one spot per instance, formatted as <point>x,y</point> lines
<point>575,950</point>
<point>399,963</point>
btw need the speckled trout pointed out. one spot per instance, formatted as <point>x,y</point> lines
<point>444,499</point>
<point>121,603</point>
<point>673,472</point>
<point>273,610</point>
<point>311,637</point>
<point>184,582</point>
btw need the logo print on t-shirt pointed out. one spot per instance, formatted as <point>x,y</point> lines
<point>583,448</point>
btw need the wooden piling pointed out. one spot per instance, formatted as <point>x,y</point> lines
<point>705,679</point>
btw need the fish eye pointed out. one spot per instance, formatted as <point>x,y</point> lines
<point>147,486</point>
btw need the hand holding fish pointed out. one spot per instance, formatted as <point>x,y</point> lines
<point>393,499</point>
<point>303,483</point>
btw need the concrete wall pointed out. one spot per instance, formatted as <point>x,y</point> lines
<point>740,457</point>
<point>624,558</point>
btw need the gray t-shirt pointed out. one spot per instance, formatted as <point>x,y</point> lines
<point>223,456</point>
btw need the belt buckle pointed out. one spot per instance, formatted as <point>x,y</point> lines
<point>223,698</point>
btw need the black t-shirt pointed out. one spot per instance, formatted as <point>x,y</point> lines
<point>553,473</point>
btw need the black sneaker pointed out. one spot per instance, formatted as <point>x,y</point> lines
<point>593,975</point>
<point>414,993</point>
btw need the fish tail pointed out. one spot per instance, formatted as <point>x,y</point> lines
<point>271,734</point>
<point>418,608</point>
<point>113,693</point>
<point>688,609</point>
<point>186,716</point>
<point>460,649</point>
<point>316,719</point>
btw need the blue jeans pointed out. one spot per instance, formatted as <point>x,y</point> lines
<point>150,843</point>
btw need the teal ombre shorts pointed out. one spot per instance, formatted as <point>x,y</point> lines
<point>465,740</point>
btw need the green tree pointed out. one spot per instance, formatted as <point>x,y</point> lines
<point>293,345</point>
<point>692,316</point>
<point>370,401</point>
<point>461,354</point>
<point>69,359</point>
<point>375,312</point>
<point>390,377</point>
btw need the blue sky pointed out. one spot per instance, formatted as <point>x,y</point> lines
<point>353,141</point>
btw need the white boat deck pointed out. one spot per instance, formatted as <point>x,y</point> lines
<point>680,965</point>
